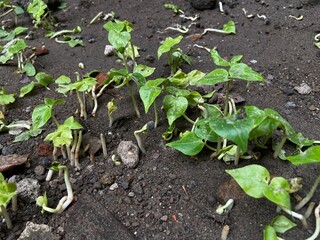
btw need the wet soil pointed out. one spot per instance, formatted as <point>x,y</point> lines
<point>168,195</point>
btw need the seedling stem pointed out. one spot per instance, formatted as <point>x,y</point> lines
<point>309,195</point>
<point>6,216</point>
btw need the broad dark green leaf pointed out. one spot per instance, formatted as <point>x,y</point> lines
<point>119,40</point>
<point>244,72</point>
<point>44,79</point>
<point>253,179</point>
<point>236,59</point>
<point>114,26</point>
<point>189,144</point>
<point>174,107</point>
<point>144,70</point>
<point>278,192</point>
<point>216,76</point>
<point>17,46</point>
<point>72,123</point>
<point>203,131</point>
<point>148,95</point>
<point>300,140</point>
<point>229,27</point>
<point>284,123</point>
<point>41,115</point>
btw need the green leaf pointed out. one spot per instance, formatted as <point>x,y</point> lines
<point>112,107</point>
<point>229,27</point>
<point>203,131</point>
<point>29,69</point>
<point>41,115</point>
<point>189,144</point>
<point>73,41</point>
<point>269,233</point>
<point>72,124</point>
<point>138,78</point>
<point>174,107</point>
<point>144,70</point>
<point>63,79</point>
<point>282,224</point>
<point>6,99</point>
<point>253,179</point>
<point>244,72</point>
<point>278,192</point>
<point>216,76</point>
<point>85,84</point>
<point>219,61</point>
<point>311,155</point>
<point>37,8</point>
<point>277,117</point>
<point>26,89</point>
<point>18,10</point>
<point>148,95</point>
<point>17,46</point>
<point>173,7</point>
<point>7,190</point>
<point>44,79</point>
<point>52,102</point>
<point>119,40</point>
<point>236,130</point>
<point>168,44</point>
<point>300,140</point>
<point>114,26</point>
<point>236,59</point>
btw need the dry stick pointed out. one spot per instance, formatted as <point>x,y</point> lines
<point>73,148</point>
<point>76,155</point>
<point>103,145</point>
<point>309,195</point>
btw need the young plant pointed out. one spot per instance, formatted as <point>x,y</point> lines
<point>279,224</point>
<point>8,191</point>
<point>5,99</point>
<point>111,107</point>
<point>10,8</point>
<point>8,36</point>
<point>63,137</point>
<point>175,54</point>
<point>72,40</point>
<point>80,86</point>
<point>41,14</point>
<point>147,127</point>
<point>64,202</point>
<point>42,78</point>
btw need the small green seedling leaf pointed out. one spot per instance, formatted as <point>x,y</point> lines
<point>311,155</point>
<point>269,233</point>
<point>29,69</point>
<point>253,179</point>
<point>203,131</point>
<point>300,140</point>
<point>63,79</point>
<point>5,98</point>
<point>168,44</point>
<point>282,224</point>
<point>119,40</point>
<point>149,92</point>
<point>229,27</point>
<point>174,107</point>
<point>7,190</point>
<point>144,70</point>
<point>217,59</point>
<point>216,76</point>
<point>244,72</point>
<point>37,9</point>
<point>278,192</point>
<point>189,144</point>
<point>26,89</point>
<point>44,79</point>
<point>42,201</point>
<point>173,7</point>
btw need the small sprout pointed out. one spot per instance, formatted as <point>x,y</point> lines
<point>105,17</point>
<point>225,232</point>
<point>144,129</point>
<point>77,151</point>
<point>228,28</point>
<point>296,18</point>
<point>317,40</point>
<point>263,17</point>
<point>53,35</point>
<point>103,144</point>
<point>225,208</point>
<point>93,144</point>
<point>116,160</point>
<point>309,195</point>
<point>174,8</point>
<point>5,99</point>
<point>112,107</point>
<point>180,28</point>
<point>81,65</point>
<point>221,7</point>
<point>317,230</point>
<point>309,210</point>
<point>64,202</point>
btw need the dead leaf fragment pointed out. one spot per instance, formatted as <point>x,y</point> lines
<point>9,162</point>
<point>303,89</point>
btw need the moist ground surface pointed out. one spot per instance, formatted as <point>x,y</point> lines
<point>168,195</point>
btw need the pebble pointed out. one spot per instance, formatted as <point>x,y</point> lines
<point>131,194</point>
<point>28,189</point>
<point>164,218</point>
<point>137,188</point>
<point>114,186</point>
<point>290,105</point>
<point>129,153</point>
<point>157,215</point>
<point>39,170</point>
<point>125,185</point>
<point>135,224</point>
<point>107,179</point>
<point>172,176</point>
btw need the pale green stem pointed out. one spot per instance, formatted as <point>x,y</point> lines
<point>14,203</point>
<point>68,152</point>
<point>139,141</point>
<point>317,230</point>
<point>6,216</point>
<point>54,153</point>
<point>226,104</point>
<point>188,119</point>
<point>280,146</point>
<point>69,190</point>
<point>236,159</point>
<point>309,195</point>
<point>225,232</point>
<point>63,152</point>
<point>133,56</point>
<point>55,120</point>
<point>76,154</point>
<point>156,117</point>
<point>82,114</point>
<point>73,148</point>
<point>309,210</point>
<point>7,12</point>
<point>296,215</point>
<point>103,145</point>
<point>49,175</point>
<point>58,208</point>
<point>133,99</point>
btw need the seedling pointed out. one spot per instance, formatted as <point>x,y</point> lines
<point>317,40</point>
<point>180,28</point>
<point>105,17</point>
<point>177,10</point>
<point>279,224</point>
<point>41,14</point>
<point>175,54</point>
<point>148,126</point>
<point>63,137</point>
<point>228,28</point>
<point>42,78</point>
<point>64,202</point>
<point>80,86</point>
<point>11,9</point>
<point>8,36</point>
<point>8,191</point>
<point>225,208</point>
<point>15,127</point>
<point>111,107</point>
<point>5,99</point>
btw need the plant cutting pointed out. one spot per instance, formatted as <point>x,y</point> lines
<point>42,78</point>
<point>8,36</point>
<point>80,86</point>
<point>111,108</point>
<point>8,191</point>
<point>63,137</point>
<point>148,126</point>
<point>175,54</point>
<point>279,224</point>
<point>65,201</point>
<point>41,14</point>
<point>10,8</point>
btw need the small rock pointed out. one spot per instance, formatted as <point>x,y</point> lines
<point>149,58</point>
<point>288,91</point>
<point>8,162</point>
<point>109,50</point>
<point>113,186</point>
<point>137,188</point>
<point>38,231</point>
<point>172,176</point>
<point>203,4</point>
<point>164,218</point>
<point>107,179</point>
<point>125,185</point>
<point>28,189</point>
<point>131,194</point>
<point>157,215</point>
<point>303,89</point>
<point>39,170</point>
<point>45,150</point>
<point>135,224</point>
<point>313,108</point>
<point>291,105</point>
<point>129,153</point>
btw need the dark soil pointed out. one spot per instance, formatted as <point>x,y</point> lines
<point>175,197</point>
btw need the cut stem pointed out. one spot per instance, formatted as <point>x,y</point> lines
<point>280,146</point>
<point>133,99</point>
<point>156,117</point>
<point>104,145</point>
<point>76,154</point>
<point>6,216</point>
